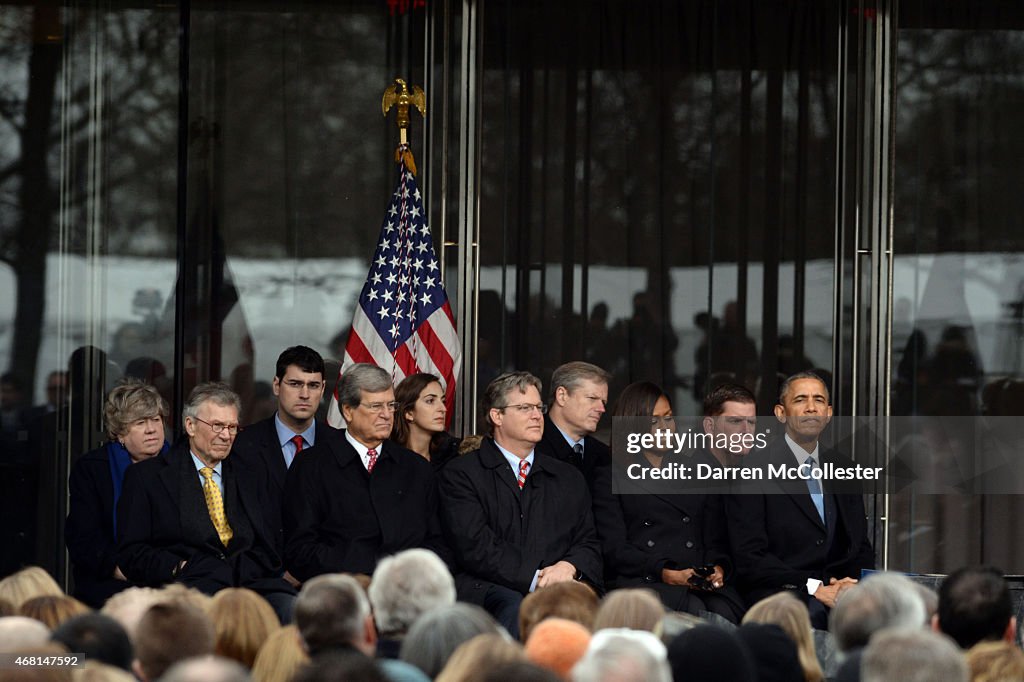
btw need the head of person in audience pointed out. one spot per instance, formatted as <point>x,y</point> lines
<point>557,644</point>
<point>206,669</point>
<point>912,655</point>
<point>995,662</point>
<point>299,386</point>
<point>646,401</point>
<point>332,612</point>
<point>708,653</point>
<point>366,398</point>
<point>437,633</point>
<point>242,622</point>
<point>128,606</point>
<point>520,671</point>
<point>407,585</point>
<point>135,413</point>
<point>620,654</point>
<point>773,652</point>
<point>341,665</point>
<point>515,412</point>
<point>730,421</point>
<point>422,416</point>
<point>804,407</point>
<point>790,614</point>
<point>19,632</point>
<point>479,654</point>
<point>281,656</point>
<point>579,398</point>
<point>99,637</point>
<point>636,609</point>
<point>975,606</point>
<point>52,610</point>
<point>27,583</point>
<point>210,416</point>
<point>169,632</point>
<point>570,600</point>
<point>879,601</point>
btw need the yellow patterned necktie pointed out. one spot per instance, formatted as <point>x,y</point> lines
<point>215,503</point>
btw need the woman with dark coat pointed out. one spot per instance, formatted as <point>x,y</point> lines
<point>134,414</point>
<point>420,419</point>
<point>674,544</point>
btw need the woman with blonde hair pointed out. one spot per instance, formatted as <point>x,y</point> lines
<point>790,614</point>
<point>242,622</point>
<point>280,657</point>
<point>481,653</point>
<point>52,609</point>
<point>29,582</point>
<point>636,609</point>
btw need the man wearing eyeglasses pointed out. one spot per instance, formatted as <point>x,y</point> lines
<point>195,516</point>
<point>517,518</point>
<point>274,443</point>
<point>350,501</point>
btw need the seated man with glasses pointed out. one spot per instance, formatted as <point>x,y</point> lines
<point>517,519</point>
<point>195,516</point>
<point>350,501</point>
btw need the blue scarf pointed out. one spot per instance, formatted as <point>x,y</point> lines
<point>119,460</point>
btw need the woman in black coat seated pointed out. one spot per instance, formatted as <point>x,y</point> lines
<point>134,414</point>
<point>674,544</point>
<point>420,419</point>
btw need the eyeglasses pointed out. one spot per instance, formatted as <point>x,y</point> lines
<point>217,427</point>
<point>377,408</point>
<point>297,385</point>
<point>525,408</point>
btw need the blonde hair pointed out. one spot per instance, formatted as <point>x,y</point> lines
<point>94,671</point>
<point>570,600</point>
<point>995,662</point>
<point>483,652</point>
<point>280,657</point>
<point>130,401</point>
<point>127,607</point>
<point>790,614</point>
<point>636,609</point>
<point>52,610</point>
<point>29,582</point>
<point>242,622</point>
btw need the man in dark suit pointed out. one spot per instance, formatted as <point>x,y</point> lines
<point>517,519</point>
<point>350,501</point>
<point>275,442</point>
<point>797,534</point>
<point>196,517</point>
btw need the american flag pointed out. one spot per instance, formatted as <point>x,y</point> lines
<point>403,322</point>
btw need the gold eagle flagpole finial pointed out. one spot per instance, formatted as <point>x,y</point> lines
<point>397,95</point>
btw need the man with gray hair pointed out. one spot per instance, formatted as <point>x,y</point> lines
<point>192,516</point>
<point>404,587</point>
<point>332,612</point>
<point>350,501</point>
<point>618,654</point>
<point>918,655</point>
<point>518,519</point>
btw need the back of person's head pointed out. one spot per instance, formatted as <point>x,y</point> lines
<point>708,653</point>
<point>975,606</point>
<point>622,654</point>
<point>432,639</point>
<point>29,673</point>
<point>882,600</point>
<point>169,632</point>
<point>27,583</point>
<point>570,600</point>
<point>52,610</point>
<point>206,669</point>
<point>331,611</point>
<point>637,609</point>
<point>339,666</point>
<point>477,654</point>
<point>790,614</point>
<point>179,593</point>
<point>912,655</point>
<point>280,657</point>
<point>407,585</point>
<point>17,632</point>
<point>94,671</point>
<point>99,637</point>
<point>520,671</point>
<point>995,662</point>
<point>7,608</point>
<point>242,621</point>
<point>127,607</point>
<point>774,653</point>
<point>557,644</point>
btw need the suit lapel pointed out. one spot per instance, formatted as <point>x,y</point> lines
<point>491,458</point>
<point>271,453</point>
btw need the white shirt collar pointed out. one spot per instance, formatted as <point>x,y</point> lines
<point>801,454</point>
<point>362,450</point>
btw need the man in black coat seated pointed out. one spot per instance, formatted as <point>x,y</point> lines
<point>353,500</point>
<point>786,536</point>
<point>517,519</point>
<point>195,517</point>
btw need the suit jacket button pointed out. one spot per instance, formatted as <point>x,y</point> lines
<point>647,522</point>
<point>686,519</point>
<point>221,556</point>
<point>819,542</point>
<point>689,544</point>
<point>650,543</point>
<point>648,579</point>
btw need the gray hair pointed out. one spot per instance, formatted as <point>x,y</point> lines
<point>330,610</point>
<point>496,393</point>
<point>797,377</point>
<point>916,655</point>
<point>215,392</point>
<point>620,654</point>
<point>360,377</point>
<point>407,585</point>
<point>572,374</point>
<point>130,401</point>
<point>433,638</point>
<point>206,669</point>
<point>20,632</point>
<point>882,600</point>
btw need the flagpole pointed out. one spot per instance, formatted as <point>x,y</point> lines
<point>398,95</point>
